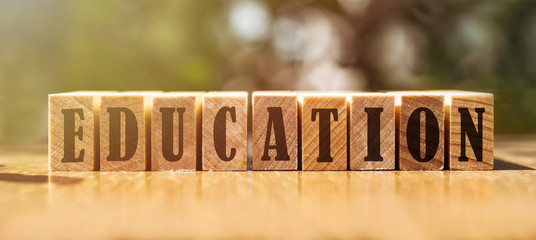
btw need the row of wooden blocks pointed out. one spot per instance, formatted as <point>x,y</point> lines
<point>176,131</point>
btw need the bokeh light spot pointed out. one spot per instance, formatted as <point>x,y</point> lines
<point>249,20</point>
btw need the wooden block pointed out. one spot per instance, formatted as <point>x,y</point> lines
<point>125,131</point>
<point>73,144</point>
<point>175,122</point>
<point>275,131</point>
<point>324,131</point>
<point>225,132</point>
<point>470,131</point>
<point>421,131</point>
<point>372,131</point>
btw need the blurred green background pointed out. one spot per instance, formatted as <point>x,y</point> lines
<point>49,46</point>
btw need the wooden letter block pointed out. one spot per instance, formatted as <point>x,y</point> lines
<point>372,131</point>
<point>324,131</point>
<point>73,145</point>
<point>124,131</point>
<point>275,131</point>
<point>471,131</point>
<point>225,132</point>
<point>175,142</point>
<point>421,131</point>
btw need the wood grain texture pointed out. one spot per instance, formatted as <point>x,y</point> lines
<point>311,103</point>
<point>186,156</point>
<point>285,103</point>
<point>232,134</point>
<point>83,132</point>
<point>138,104</point>
<point>409,103</point>
<point>359,130</point>
<point>471,102</point>
<point>270,204</point>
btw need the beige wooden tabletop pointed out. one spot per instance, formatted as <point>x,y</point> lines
<point>36,204</point>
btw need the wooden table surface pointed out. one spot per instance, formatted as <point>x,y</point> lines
<point>36,204</point>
